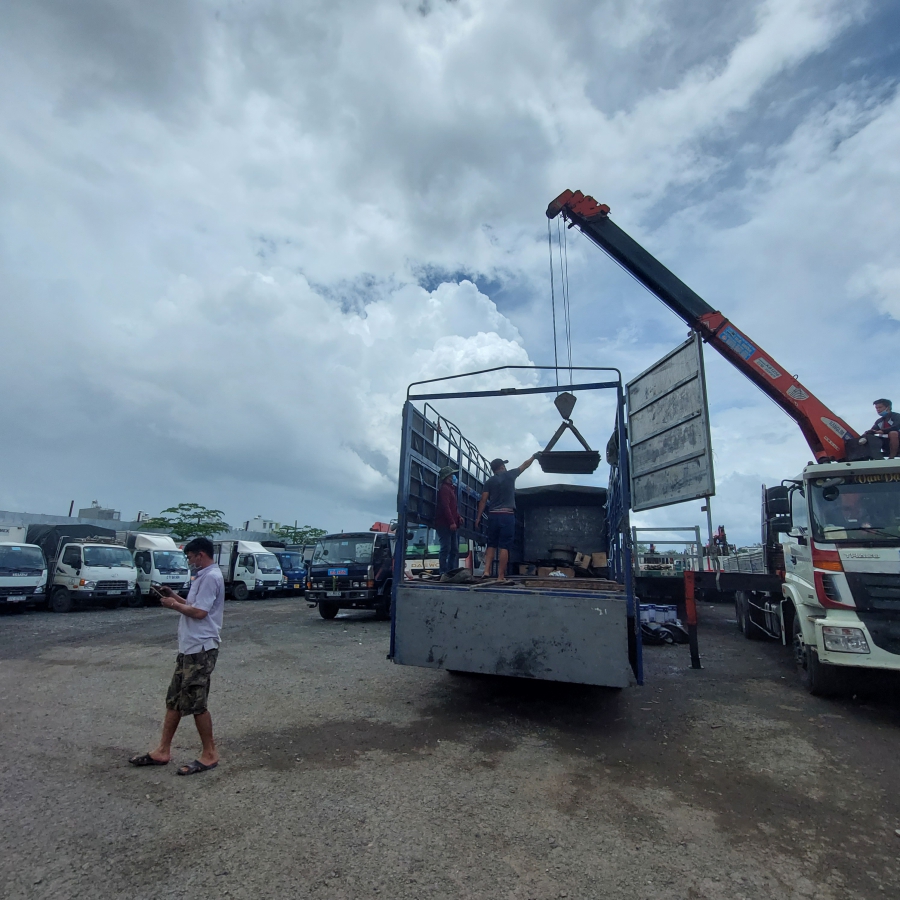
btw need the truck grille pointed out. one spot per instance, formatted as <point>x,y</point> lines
<point>879,593</point>
<point>877,599</point>
<point>112,585</point>
<point>24,591</point>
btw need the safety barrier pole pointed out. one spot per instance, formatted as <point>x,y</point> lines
<point>690,612</point>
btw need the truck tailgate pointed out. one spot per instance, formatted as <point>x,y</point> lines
<point>540,633</point>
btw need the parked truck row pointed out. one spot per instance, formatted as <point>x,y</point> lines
<point>66,566</point>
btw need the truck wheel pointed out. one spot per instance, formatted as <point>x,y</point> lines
<point>136,599</point>
<point>239,591</point>
<point>820,679</point>
<point>747,617</point>
<point>328,610</point>
<point>61,600</point>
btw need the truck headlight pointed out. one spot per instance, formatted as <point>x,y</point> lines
<point>845,640</point>
<point>88,585</point>
<point>260,583</point>
<point>39,589</point>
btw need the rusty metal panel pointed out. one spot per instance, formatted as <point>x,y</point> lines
<point>669,450</point>
<point>542,634</point>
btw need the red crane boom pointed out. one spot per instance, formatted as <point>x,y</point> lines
<point>824,431</point>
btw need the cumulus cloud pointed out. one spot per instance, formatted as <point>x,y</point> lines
<point>231,234</point>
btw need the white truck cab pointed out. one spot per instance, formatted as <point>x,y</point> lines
<point>23,569</point>
<point>249,569</point>
<point>842,568</point>
<point>157,561</point>
<point>85,564</point>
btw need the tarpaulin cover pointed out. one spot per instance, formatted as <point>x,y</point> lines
<point>49,537</point>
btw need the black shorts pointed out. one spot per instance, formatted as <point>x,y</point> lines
<point>501,530</point>
<point>189,691</point>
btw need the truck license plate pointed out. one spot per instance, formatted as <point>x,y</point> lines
<point>337,571</point>
<point>271,587</point>
<point>15,598</point>
<point>332,593</point>
<point>296,587</point>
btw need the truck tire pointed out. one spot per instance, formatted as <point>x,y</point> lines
<point>61,600</point>
<point>136,600</point>
<point>239,591</point>
<point>820,679</point>
<point>747,617</point>
<point>328,610</point>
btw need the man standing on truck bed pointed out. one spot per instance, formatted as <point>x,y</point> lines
<point>500,497</point>
<point>198,648</point>
<point>447,520</point>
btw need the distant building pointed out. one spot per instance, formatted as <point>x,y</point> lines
<point>96,511</point>
<point>267,526</point>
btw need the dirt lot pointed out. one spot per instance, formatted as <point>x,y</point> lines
<point>343,775</point>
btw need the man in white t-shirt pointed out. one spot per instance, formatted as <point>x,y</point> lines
<point>198,649</point>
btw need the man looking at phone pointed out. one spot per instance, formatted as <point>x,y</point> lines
<point>199,626</point>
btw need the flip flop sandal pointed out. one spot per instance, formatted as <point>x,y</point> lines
<point>145,759</point>
<point>506,582</point>
<point>194,767</point>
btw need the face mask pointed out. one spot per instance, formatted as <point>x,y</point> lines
<point>455,481</point>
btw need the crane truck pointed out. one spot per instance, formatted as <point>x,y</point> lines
<point>831,533</point>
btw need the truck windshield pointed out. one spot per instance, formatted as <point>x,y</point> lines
<point>344,550</point>
<point>290,562</point>
<point>170,562</point>
<point>268,564</point>
<point>857,508</point>
<point>426,544</point>
<point>21,559</point>
<point>107,557</point>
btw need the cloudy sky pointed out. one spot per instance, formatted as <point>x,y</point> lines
<point>232,232</point>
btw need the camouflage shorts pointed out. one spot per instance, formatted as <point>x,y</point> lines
<point>189,689</point>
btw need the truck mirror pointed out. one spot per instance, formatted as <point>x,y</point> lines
<point>778,501</point>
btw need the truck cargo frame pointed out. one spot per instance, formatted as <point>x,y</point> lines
<point>570,633</point>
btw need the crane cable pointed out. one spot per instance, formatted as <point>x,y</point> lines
<point>563,248</point>
<point>553,302</point>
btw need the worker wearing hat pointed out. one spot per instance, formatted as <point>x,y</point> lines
<point>447,519</point>
<point>499,497</point>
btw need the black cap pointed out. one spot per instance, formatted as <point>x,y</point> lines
<point>496,463</point>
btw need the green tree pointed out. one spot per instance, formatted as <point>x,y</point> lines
<point>189,520</point>
<point>304,535</point>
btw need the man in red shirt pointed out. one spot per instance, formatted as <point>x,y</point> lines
<point>447,520</point>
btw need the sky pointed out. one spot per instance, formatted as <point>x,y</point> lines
<point>232,233</point>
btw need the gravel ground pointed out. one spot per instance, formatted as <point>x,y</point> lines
<point>344,776</point>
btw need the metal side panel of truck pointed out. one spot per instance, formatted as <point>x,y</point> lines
<point>546,634</point>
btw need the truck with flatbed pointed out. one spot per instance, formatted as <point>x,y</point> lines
<point>352,570</point>
<point>830,585</point>
<point>543,622</point>
<point>85,564</point>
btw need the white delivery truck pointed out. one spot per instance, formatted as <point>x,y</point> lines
<point>249,569</point>
<point>158,561</point>
<point>23,570</point>
<point>84,564</point>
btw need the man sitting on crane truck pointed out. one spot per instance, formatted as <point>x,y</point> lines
<point>887,425</point>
